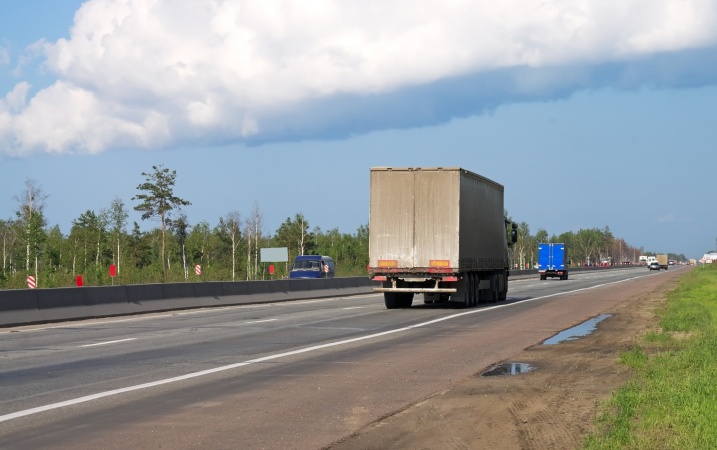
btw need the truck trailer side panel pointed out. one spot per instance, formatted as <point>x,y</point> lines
<point>482,240</point>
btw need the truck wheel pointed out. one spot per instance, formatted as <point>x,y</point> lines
<point>391,300</point>
<point>493,292</point>
<point>472,291</point>
<point>543,277</point>
<point>406,299</point>
<point>503,287</point>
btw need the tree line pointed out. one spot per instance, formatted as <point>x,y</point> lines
<point>227,251</point>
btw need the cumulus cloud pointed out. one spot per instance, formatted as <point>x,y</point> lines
<point>159,73</point>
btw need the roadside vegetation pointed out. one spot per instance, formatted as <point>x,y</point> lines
<point>671,400</point>
<point>228,250</point>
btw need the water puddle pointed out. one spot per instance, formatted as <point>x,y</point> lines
<point>508,369</point>
<point>577,331</point>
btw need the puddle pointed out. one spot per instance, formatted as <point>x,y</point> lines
<point>508,369</point>
<point>577,331</point>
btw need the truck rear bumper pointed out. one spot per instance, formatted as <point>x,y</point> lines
<point>417,290</point>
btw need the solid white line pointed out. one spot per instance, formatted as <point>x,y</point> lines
<point>188,376</point>
<point>108,342</point>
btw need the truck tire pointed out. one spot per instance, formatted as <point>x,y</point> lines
<point>406,299</point>
<point>493,291</point>
<point>391,300</point>
<point>503,292</point>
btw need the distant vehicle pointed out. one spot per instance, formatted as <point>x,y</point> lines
<point>654,265</point>
<point>606,262</point>
<point>662,260</point>
<point>312,266</point>
<point>642,260</point>
<point>671,262</point>
<point>551,261</point>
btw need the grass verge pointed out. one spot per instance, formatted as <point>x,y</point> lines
<point>671,400</point>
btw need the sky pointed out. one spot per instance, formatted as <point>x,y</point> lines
<point>591,113</point>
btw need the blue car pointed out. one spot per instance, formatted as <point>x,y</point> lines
<point>312,266</point>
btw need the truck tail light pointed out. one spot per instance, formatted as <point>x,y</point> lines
<point>379,278</point>
<point>387,263</point>
<point>449,279</point>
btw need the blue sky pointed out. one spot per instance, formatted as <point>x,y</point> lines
<point>591,115</point>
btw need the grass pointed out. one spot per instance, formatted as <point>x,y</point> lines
<point>671,400</point>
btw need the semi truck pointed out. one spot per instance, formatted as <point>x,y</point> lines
<point>663,261</point>
<point>440,232</point>
<point>552,258</point>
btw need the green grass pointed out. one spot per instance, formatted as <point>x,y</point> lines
<point>671,400</point>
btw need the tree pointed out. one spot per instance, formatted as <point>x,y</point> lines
<point>252,232</point>
<point>159,199</point>
<point>118,219</point>
<point>294,235</point>
<point>524,246</point>
<point>541,236</point>
<point>32,203</point>
<point>231,225</point>
<point>181,227</point>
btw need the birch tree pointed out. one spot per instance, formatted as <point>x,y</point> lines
<point>231,225</point>
<point>253,232</point>
<point>32,204</point>
<point>118,218</point>
<point>181,227</point>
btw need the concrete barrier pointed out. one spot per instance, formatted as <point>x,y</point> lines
<point>28,306</point>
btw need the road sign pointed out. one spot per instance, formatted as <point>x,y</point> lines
<point>271,269</point>
<point>31,282</point>
<point>326,268</point>
<point>113,270</point>
<point>198,269</point>
<point>78,281</point>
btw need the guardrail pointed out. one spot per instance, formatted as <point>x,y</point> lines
<point>28,306</point>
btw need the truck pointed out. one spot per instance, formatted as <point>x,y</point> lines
<point>663,261</point>
<point>440,232</point>
<point>552,258</point>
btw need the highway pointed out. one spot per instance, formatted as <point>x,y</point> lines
<point>300,374</point>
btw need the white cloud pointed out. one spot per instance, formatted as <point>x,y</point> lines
<point>152,73</point>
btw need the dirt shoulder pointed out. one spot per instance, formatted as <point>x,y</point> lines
<point>551,407</point>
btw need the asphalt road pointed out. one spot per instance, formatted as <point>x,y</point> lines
<point>284,375</point>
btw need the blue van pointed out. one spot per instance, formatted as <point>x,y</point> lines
<point>312,266</point>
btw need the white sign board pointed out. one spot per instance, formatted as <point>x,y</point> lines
<point>277,254</point>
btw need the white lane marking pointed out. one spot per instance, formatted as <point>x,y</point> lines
<point>355,307</point>
<point>108,342</point>
<point>261,321</point>
<point>87,398</point>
